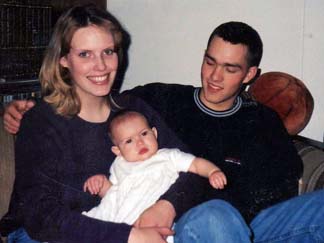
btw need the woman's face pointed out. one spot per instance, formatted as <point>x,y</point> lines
<point>92,62</point>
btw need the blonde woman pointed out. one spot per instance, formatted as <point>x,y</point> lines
<point>63,139</point>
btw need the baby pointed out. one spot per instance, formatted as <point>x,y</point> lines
<point>141,172</point>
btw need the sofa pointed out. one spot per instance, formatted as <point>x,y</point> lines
<point>294,103</point>
<point>311,152</point>
<point>7,168</point>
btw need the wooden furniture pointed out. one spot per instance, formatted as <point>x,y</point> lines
<point>7,168</point>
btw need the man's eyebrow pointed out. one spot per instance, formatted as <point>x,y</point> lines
<point>209,57</point>
<point>232,65</point>
<point>223,64</point>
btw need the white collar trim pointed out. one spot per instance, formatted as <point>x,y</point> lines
<point>237,105</point>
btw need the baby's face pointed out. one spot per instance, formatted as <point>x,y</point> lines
<point>134,139</point>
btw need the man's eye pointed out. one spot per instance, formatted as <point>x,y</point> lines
<point>209,62</point>
<point>109,52</point>
<point>231,69</point>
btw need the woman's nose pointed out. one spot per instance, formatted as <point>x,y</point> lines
<point>100,63</point>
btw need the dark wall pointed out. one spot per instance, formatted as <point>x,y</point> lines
<point>25,30</point>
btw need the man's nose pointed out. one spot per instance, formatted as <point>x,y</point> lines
<point>217,74</point>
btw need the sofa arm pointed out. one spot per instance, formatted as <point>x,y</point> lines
<point>7,168</point>
<point>312,154</point>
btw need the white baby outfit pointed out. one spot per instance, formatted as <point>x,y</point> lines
<point>138,185</point>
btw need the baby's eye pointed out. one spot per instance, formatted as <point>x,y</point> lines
<point>109,51</point>
<point>128,141</point>
<point>144,133</point>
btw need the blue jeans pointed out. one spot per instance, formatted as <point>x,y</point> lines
<point>20,236</point>
<point>298,220</point>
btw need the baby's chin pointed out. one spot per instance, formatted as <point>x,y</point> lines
<point>143,157</point>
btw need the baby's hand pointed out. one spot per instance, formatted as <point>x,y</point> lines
<point>217,179</point>
<point>94,184</point>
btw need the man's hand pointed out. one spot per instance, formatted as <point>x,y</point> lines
<point>161,214</point>
<point>149,235</point>
<point>14,113</point>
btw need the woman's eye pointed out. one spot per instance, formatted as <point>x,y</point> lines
<point>83,54</point>
<point>109,52</point>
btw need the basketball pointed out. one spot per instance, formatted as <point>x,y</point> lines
<point>287,95</point>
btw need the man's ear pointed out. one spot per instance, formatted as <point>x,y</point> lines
<point>250,74</point>
<point>154,131</point>
<point>115,150</point>
<point>64,62</point>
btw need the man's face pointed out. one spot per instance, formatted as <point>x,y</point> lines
<point>223,71</point>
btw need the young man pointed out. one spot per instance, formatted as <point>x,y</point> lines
<point>254,149</point>
<point>247,140</point>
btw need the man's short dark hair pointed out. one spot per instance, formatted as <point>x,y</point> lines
<point>241,33</point>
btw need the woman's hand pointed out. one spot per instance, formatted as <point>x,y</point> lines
<point>160,214</point>
<point>14,113</point>
<point>149,235</point>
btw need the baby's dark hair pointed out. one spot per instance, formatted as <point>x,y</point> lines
<point>121,116</point>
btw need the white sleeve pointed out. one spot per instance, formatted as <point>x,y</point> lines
<point>113,176</point>
<point>181,160</point>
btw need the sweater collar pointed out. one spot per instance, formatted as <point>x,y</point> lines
<point>237,105</point>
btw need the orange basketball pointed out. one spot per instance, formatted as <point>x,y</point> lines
<point>288,96</point>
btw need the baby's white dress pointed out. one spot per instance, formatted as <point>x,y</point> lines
<point>138,185</point>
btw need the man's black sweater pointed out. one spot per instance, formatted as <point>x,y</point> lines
<point>248,142</point>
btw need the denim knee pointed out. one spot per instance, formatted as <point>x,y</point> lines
<point>20,236</point>
<point>216,212</point>
<point>215,219</point>
<point>299,219</point>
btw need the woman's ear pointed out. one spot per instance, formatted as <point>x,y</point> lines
<point>115,150</point>
<point>64,62</point>
<point>154,131</point>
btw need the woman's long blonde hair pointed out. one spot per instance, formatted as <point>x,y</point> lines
<point>57,87</point>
